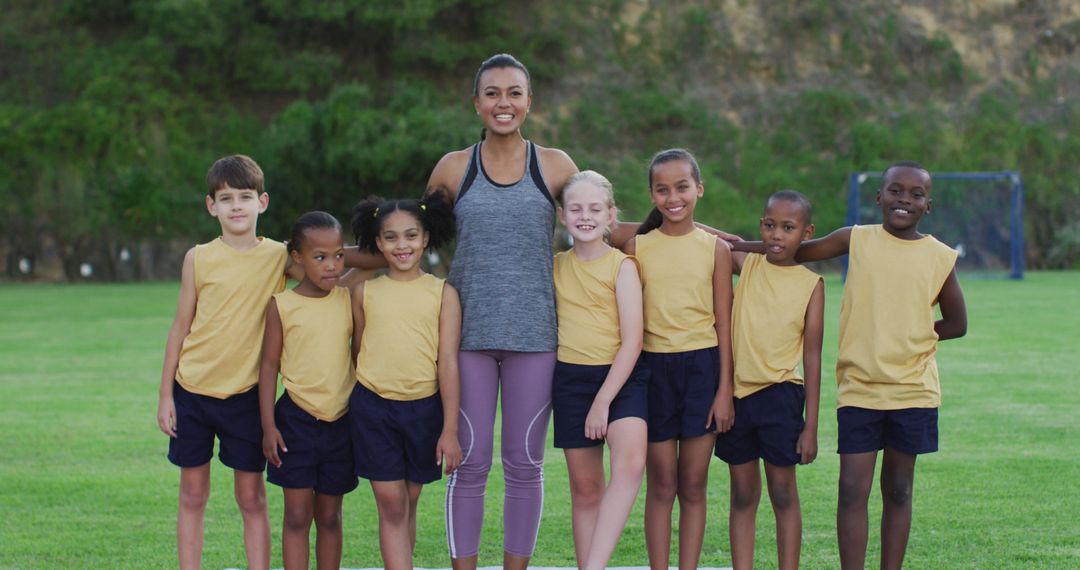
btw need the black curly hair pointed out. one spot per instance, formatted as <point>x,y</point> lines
<point>434,212</point>
<point>311,221</point>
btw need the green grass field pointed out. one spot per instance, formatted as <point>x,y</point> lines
<point>84,481</point>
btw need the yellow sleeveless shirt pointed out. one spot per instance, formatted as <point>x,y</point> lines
<point>220,355</point>
<point>587,311</point>
<point>316,357</point>
<point>887,339</point>
<point>400,346</point>
<point>767,323</point>
<point>677,275</point>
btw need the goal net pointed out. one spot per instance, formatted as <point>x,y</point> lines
<point>979,214</point>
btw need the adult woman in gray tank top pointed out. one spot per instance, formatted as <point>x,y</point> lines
<point>504,189</point>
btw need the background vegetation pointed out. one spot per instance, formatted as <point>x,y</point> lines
<point>112,110</point>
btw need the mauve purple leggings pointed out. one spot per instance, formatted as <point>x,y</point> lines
<point>525,379</point>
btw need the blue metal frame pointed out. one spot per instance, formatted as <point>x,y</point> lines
<point>1016,217</point>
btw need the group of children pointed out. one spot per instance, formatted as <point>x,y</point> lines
<point>658,355</point>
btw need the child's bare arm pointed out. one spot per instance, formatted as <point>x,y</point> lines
<point>358,319</point>
<point>622,232</point>
<point>448,451</point>
<point>813,330</point>
<point>630,246</point>
<point>828,247</point>
<point>953,323</point>
<point>181,326</point>
<point>268,375</point>
<point>631,333</point>
<point>832,245</point>
<point>363,259</point>
<point>737,260</point>
<point>723,408</point>
<point>352,277</point>
<point>293,270</point>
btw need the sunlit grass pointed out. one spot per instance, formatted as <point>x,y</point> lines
<point>84,481</point>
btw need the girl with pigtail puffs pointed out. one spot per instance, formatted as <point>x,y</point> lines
<point>406,331</point>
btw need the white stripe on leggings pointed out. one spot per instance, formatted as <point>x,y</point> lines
<point>451,483</point>
<point>540,514</point>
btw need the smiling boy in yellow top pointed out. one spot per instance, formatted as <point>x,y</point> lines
<point>776,322</point>
<point>211,360</point>
<point>888,391</point>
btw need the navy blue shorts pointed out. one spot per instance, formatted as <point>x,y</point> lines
<point>682,387</point>
<point>234,420</point>
<point>912,430</point>
<point>394,439</point>
<point>575,387</point>
<point>768,424</point>
<point>320,455</point>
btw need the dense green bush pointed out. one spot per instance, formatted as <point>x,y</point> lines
<point>112,111</point>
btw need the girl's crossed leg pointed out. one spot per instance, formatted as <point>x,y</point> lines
<point>599,514</point>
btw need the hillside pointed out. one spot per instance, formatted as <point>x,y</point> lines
<point>115,109</point>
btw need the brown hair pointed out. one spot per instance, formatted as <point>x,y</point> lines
<point>236,171</point>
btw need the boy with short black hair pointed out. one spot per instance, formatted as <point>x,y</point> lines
<point>888,390</point>
<point>777,321</point>
<point>212,360</point>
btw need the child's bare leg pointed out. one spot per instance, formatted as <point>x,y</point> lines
<point>250,494</point>
<point>627,439</point>
<point>414,499</point>
<point>856,478</point>
<point>585,466</point>
<point>745,496</point>
<point>897,485</point>
<point>694,457</point>
<point>392,500</point>
<point>295,526</point>
<point>784,496</point>
<point>328,535</point>
<point>194,493</point>
<point>662,466</point>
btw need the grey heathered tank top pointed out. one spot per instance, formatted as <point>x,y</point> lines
<point>502,266</point>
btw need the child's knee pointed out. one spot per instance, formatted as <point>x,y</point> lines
<point>587,491</point>
<point>693,487</point>
<point>783,498</point>
<point>631,462</point>
<point>328,521</point>
<point>744,497</point>
<point>297,521</point>
<point>194,497</point>
<point>692,492</point>
<point>897,493</point>
<point>252,501</point>
<point>393,506</point>
<point>663,487</point>
<point>852,492</point>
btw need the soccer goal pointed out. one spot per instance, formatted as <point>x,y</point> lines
<point>980,214</point>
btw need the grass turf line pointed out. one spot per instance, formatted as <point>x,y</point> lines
<point>84,480</point>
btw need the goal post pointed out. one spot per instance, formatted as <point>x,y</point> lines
<point>980,214</point>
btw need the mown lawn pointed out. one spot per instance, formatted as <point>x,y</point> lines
<point>84,481</point>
